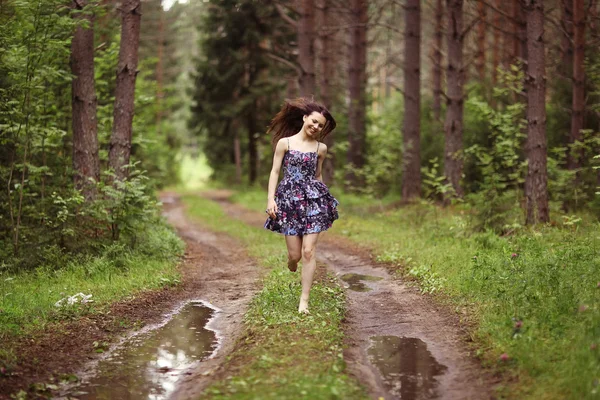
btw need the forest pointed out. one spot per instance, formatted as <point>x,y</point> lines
<point>474,120</point>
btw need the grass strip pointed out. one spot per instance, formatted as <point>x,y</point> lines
<point>282,355</point>
<point>27,300</point>
<point>534,296</point>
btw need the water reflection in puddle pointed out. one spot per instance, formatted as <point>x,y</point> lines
<point>407,367</point>
<point>148,365</point>
<point>356,281</point>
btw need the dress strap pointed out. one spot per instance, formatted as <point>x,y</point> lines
<point>318,143</point>
<point>288,139</point>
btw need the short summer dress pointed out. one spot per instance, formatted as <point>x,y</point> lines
<point>304,204</point>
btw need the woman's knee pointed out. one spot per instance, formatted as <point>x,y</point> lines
<point>294,256</point>
<point>308,252</point>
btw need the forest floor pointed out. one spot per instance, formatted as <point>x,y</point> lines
<point>437,359</point>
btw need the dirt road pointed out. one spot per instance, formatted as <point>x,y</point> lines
<point>399,344</point>
<point>419,347</point>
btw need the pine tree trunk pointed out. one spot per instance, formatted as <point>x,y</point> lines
<point>566,46</point>
<point>453,127</point>
<point>536,182</point>
<point>325,81</point>
<point>160,75</point>
<point>578,109</point>
<point>237,156</point>
<point>437,60</point>
<point>306,51</point>
<point>252,144</point>
<point>496,45</point>
<point>357,81</point>
<point>521,49</point>
<point>411,135</point>
<point>120,141</point>
<point>86,164</point>
<point>481,41</point>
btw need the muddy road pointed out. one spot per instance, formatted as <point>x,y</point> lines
<point>399,343</point>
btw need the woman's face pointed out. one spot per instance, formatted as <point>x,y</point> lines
<point>314,123</point>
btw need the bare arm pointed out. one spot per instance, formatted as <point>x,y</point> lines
<point>274,176</point>
<point>322,155</point>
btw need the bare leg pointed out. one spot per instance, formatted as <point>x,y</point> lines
<point>294,246</point>
<point>309,264</point>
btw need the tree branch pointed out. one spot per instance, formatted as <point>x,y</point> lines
<point>282,60</point>
<point>286,17</point>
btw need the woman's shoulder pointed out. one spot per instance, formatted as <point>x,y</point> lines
<point>322,147</point>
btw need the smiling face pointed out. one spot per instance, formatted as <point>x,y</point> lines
<point>313,124</point>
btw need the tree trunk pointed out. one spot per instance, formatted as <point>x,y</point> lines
<point>160,75</point>
<point>496,45</point>
<point>536,183</point>
<point>578,109</point>
<point>521,48</point>
<point>326,74</point>
<point>437,60</point>
<point>481,41</point>
<point>237,155</point>
<point>306,51</point>
<point>120,141</point>
<point>566,46</point>
<point>252,144</point>
<point>86,164</point>
<point>453,127</point>
<point>357,81</point>
<point>411,174</point>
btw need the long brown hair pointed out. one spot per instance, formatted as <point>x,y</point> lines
<point>288,120</point>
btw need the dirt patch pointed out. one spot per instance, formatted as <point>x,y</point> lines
<point>215,268</point>
<point>392,308</point>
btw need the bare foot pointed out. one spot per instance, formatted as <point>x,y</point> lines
<point>292,265</point>
<point>303,308</point>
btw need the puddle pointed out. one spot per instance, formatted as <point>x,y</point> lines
<point>148,365</point>
<point>407,367</point>
<point>356,281</point>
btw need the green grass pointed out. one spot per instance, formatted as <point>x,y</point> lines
<point>27,300</point>
<point>548,278</point>
<point>282,355</point>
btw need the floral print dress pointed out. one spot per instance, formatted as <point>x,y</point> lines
<point>304,204</point>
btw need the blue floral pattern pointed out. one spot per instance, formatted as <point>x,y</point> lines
<point>304,204</point>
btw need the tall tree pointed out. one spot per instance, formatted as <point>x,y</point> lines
<point>86,164</point>
<point>578,103</point>
<point>411,176</point>
<point>357,81</point>
<point>536,182</point>
<point>306,49</point>
<point>480,61</point>
<point>325,76</point>
<point>496,42</point>
<point>120,141</point>
<point>437,59</point>
<point>453,126</point>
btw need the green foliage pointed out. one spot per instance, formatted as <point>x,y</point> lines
<point>234,75</point>
<point>127,205</point>
<point>41,214</point>
<point>497,201</point>
<point>435,185</point>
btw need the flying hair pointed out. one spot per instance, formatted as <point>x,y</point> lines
<point>288,121</point>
